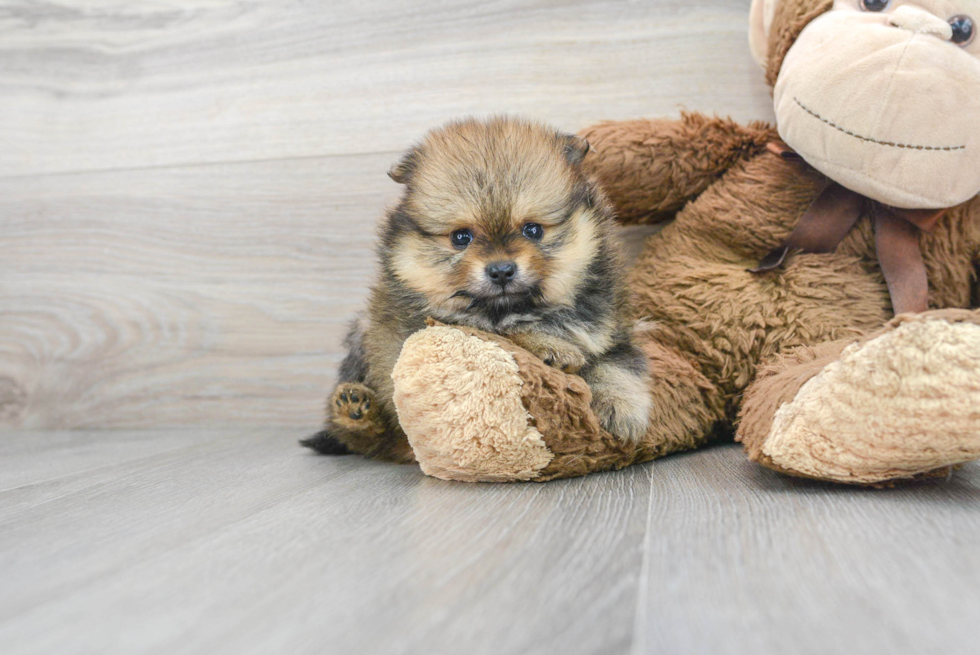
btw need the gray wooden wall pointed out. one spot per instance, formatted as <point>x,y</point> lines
<point>189,188</point>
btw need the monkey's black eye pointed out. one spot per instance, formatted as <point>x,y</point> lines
<point>963,30</point>
<point>533,231</point>
<point>875,5</point>
<point>461,238</point>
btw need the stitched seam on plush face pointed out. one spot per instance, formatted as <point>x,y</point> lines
<point>869,139</point>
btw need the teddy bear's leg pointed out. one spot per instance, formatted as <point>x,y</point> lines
<point>901,402</point>
<point>650,168</point>
<point>477,407</point>
<point>685,407</point>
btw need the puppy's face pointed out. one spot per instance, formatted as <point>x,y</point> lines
<point>496,218</point>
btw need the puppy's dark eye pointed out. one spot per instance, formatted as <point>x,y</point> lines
<point>963,30</point>
<point>875,5</point>
<point>461,238</point>
<point>533,231</point>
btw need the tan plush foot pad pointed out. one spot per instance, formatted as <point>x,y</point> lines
<point>473,387</point>
<point>899,405</point>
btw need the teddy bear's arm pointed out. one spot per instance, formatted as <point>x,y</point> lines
<point>651,168</point>
<point>476,406</point>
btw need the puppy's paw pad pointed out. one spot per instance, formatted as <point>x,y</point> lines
<point>353,405</point>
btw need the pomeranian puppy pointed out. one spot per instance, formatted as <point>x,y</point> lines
<point>498,228</point>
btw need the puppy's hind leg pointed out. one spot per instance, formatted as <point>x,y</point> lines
<point>325,443</point>
<point>351,416</point>
<point>352,411</point>
<point>620,385</point>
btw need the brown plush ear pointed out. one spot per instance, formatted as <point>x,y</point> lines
<point>402,170</point>
<point>576,148</point>
<point>789,19</point>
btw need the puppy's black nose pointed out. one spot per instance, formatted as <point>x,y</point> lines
<point>501,272</point>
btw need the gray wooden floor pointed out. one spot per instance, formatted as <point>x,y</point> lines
<point>242,542</point>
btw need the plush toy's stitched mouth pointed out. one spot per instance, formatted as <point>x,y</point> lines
<point>837,127</point>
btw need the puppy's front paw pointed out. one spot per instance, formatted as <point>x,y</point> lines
<point>621,401</point>
<point>569,361</point>
<point>553,351</point>
<point>353,406</point>
<point>622,418</point>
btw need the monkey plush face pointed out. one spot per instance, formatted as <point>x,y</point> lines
<point>883,96</point>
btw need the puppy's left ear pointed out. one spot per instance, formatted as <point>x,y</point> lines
<point>576,148</point>
<point>402,170</point>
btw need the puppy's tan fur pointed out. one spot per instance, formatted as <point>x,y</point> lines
<point>566,303</point>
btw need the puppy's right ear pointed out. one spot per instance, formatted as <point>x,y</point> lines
<point>576,148</point>
<point>403,169</point>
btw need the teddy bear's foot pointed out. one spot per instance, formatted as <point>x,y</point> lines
<point>477,407</point>
<point>900,404</point>
<point>459,401</point>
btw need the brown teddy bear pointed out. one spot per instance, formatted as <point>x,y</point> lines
<point>766,305</point>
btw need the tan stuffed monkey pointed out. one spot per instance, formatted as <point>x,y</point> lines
<point>766,305</point>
